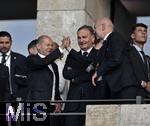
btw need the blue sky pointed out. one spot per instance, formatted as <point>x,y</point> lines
<point>22,32</point>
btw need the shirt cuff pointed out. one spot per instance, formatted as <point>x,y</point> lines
<point>60,49</point>
<point>69,49</point>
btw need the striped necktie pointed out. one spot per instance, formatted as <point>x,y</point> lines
<point>3,61</point>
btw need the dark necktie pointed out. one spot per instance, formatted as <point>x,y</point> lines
<point>3,61</point>
<point>144,57</point>
<point>85,54</point>
<point>145,60</point>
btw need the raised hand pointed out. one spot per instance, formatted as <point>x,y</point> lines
<point>66,42</point>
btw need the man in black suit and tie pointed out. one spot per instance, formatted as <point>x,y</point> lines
<point>114,66</point>
<point>139,61</point>
<point>16,64</point>
<point>43,78</point>
<point>79,73</point>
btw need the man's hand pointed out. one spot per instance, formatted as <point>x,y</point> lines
<point>148,86</point>
<point>94,78</point>
<point>66,43</point>
<point>57,108</point>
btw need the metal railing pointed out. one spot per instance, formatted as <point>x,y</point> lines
<point>138,100</point>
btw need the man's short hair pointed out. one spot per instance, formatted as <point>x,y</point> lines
<point>5,33</point>
<point>88,28</point>
<point>42,37</point>
<point>138,25</point>
<point>32,44</point>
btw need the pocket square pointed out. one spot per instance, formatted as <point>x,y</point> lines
<point>21,76</point>
<point>99,78</point>
<point>89,68</point>
<point>69,68</point>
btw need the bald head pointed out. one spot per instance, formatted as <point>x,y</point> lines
<point>105,21</point>
<point>103,27</point>
<point>43,37</point>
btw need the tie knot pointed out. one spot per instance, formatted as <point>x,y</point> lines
<point>3,61</point>
<point>142,52</point>
<point>85,53</point>
<point>4,55</point>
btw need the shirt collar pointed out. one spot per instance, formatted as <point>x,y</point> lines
<point>137,48</point>
<point>88,51</point>
<point>7,54</point>
<point>106,36</point>
<point>42,56</point>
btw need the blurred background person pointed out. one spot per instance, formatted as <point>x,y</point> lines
<point>32,50</point>
<point>63,83</point>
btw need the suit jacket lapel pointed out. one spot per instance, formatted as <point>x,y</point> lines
<point>93,55</point>
<point>102,52</point>
<point>54,69</point>
<point>12,65</point>
<point>137,55</point>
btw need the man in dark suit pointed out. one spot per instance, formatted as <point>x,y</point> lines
<point>139,61</point>
<point>16,64</point>
<point>77,70</point>
<point>114,67</point>
<point>43,78</point>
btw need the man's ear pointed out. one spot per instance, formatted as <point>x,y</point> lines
<point>132,36</point>
<point>38,46</point>
<point>93,39</point>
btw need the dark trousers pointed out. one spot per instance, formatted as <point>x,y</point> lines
<point>54,120</point>
<point>74,120</point>
<point>126,93</point>
<point>102,90</point>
